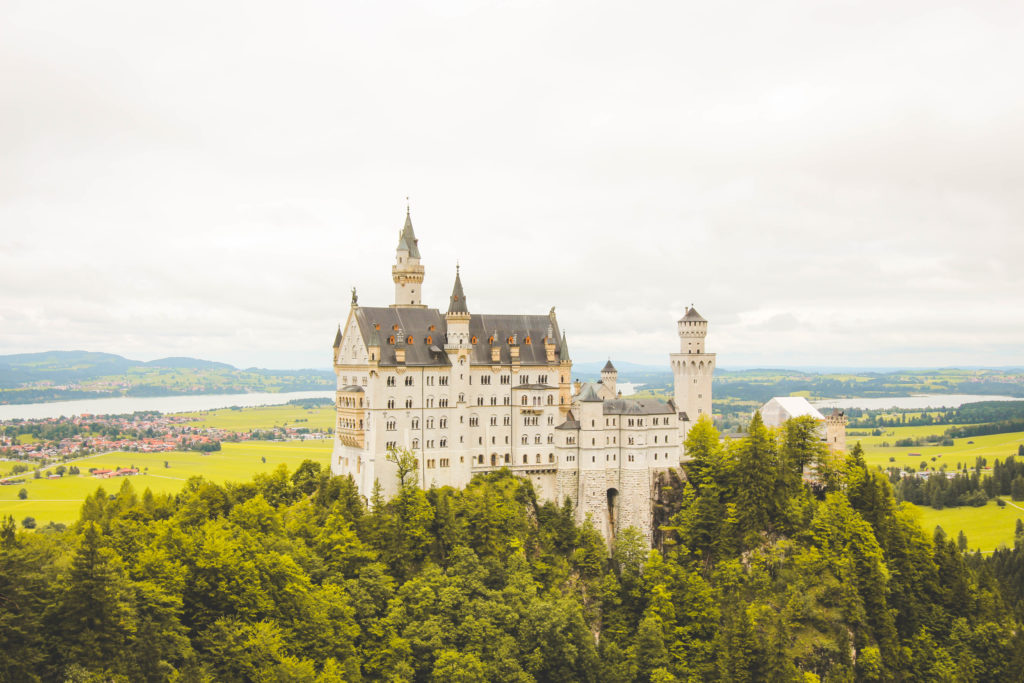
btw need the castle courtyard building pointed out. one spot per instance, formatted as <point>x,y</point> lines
<point>471,392</point>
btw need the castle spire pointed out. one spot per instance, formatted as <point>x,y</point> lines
<point>457,302</point>
<point>563,350</point>
<point>407,238</point>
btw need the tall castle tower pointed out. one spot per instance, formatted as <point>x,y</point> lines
<point>693,370</point>
<point>407,271</point>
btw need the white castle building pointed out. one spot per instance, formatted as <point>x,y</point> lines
<point>473,392</point>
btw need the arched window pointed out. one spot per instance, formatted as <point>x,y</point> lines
<point>538,458</point>
<point>551,400</point>
<point>410,340</point>
<point>415,444</point>
<point>391,340</point>
<point>524,401</point>
<point>525,439</point>
<point>527,339</point>
<point>480,459</point>
<point>430,340</point>
<point>472,339</point>
<point>551,457</point>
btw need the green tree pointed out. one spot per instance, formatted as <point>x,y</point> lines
<point>29,523</point>
<point>22,494</point>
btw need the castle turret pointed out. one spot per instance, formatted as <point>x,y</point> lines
<point>457,318</point>
<point>407,271</point>
<point>609,377</point>
<point>835,430</point>
<point>693,370</point>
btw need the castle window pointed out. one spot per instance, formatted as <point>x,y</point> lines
<point>526,459</point>
<point>443,422</point>
<point>408,381</point>
<point>394,327</point>
<point>551,438</point>
<point>472,340</point>
<point>486,379</point>
<point>444,443</point>
<point>490,340</point>
<point>507,421</point>
<point>494,400</point>
<point>415,444</point>
<point>430,402</point>
<point>410,340</point>
<point>443,380</point>
<point>494,420</point>
<point>432,328</point>
<point>415,423</point>
<point>430,340</point>
<point>536,439</point>
<point>391,403</point>
<point>507,401</point>
<point>525,440</point>
<point>506,459</point>
<point>480,459</point>
<point>408,403</point>
<point>443,403</point>
<point>390,425</point>
<point>551,457</point>
<point>444,462</point>
<point>430,380</point>
<point>524,401</point>
<point>538,459</point>
<point>391,340</point>
<point>390,381</point>
<point>474,421</point>
<point>479,400</point>
<point>527,339</point>
<point>462,398</point>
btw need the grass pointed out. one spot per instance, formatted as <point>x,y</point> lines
<point>986,527</point>
<point>964,451</point>
<point>59,500</point>
<point>264,417</point>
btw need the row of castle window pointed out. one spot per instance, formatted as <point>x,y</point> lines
<point>508,459</point>
<point>443,443</point>
<point>431,463</point>
<point>344,423</point>
<point>355,380</point>
<point>350,402</point>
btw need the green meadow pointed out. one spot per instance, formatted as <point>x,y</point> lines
<point>264,417</point>
<point>986,527</point>
<point>964,451</point>
<point>59,500</point>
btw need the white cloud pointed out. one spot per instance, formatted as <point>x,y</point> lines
<point>828,183</point>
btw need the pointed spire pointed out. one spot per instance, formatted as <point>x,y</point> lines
<point>337,338</point>
<point>457,303</point>
<point>563,350</point>
<point>608,367</point>
<point>407,238</point>
<point>374,337</point>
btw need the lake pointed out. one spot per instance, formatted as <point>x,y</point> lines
<point>164,404</point>
<point>918,402</point>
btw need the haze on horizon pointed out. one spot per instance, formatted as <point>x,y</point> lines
<point>831,184</point>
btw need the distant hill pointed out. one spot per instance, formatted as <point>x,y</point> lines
<point>66,375</point>
<point>192,363</point>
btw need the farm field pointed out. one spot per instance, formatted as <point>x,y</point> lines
<point>990,446</point>
<point>59,500</point>
<point>986,527</point>
<point>264,417</point>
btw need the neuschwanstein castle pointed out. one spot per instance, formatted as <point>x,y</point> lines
<point>472,392</point>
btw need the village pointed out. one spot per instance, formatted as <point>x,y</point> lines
<point>38,442</point>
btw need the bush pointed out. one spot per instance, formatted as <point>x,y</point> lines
<point>23,494</point>
<point>29,522</point>
<point>1000,502</point>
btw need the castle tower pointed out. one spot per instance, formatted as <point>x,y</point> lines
<point>835,431</point>
<point>457,318</point>
<point>609,376</point>
<point>693,370</point>
<point>407,271</point>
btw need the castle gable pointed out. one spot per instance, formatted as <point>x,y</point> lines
<point>351,346</point>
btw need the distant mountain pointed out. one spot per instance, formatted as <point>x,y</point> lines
<point>191,363</point>
<point>66,375</point>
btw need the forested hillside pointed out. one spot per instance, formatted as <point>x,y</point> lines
<point>758,575</point>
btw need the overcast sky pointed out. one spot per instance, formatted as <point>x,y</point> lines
<point>829,183</point>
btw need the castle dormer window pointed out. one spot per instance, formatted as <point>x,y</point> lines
<point>391,340</point>
<point>472,339</point>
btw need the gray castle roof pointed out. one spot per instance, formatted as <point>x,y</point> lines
<point>589,395</point>
<point>693,316</point>
<point>407,239</point>
<point>457,303</point>
<point>417,323</point>
<point>637,406</point>
<point>570,422</point>
<point>608,367</point>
